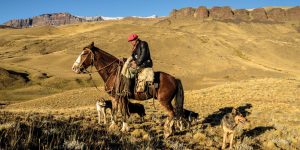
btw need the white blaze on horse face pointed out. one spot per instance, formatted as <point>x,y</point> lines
<point>76,64</point>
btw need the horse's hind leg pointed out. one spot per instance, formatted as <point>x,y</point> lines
<point>168,126</point>
<point>125,114</point>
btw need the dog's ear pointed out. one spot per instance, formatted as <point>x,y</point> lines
<point>102,99</point>
<point>234,110</point>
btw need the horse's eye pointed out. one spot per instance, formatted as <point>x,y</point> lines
<point>85,52</point>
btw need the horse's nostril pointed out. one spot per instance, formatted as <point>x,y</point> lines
<point>74,69</point>
<point>81,69</point>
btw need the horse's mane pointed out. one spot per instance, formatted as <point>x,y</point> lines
<point>102,52</point>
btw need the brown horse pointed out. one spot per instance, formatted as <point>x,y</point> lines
<point>108,65</point>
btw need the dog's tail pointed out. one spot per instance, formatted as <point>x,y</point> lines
<point>179,99</point>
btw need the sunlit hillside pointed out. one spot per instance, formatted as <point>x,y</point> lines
<point>221,65</point>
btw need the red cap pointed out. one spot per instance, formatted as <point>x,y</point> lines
<point>132,37</point>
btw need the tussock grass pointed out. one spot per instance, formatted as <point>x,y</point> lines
<point>37,131</point>
<point>221,65</point>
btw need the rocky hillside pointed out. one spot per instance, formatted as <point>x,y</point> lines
<point>50,19</point>
<point>5,27</point>
<point>228,14</point>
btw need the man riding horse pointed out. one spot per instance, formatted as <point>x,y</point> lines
<point>108,67</point>
<point>139,63</point>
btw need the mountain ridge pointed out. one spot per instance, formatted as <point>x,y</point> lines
<point>226,13</point>
<point>54,19</point>
<point>270,14</point>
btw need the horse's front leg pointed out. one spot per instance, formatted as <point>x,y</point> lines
<point>104,115</point>
<point>125,115</point>
<point>114,111</point>
<point>125,127</point>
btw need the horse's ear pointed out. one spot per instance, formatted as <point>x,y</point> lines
<point>92,44</point>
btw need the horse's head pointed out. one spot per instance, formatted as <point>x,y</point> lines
<point>85,59</point>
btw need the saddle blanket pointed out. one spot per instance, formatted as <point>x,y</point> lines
<point>146,75</point>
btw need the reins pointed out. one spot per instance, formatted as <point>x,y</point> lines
<point>91,71</point>
<point>102,67</point>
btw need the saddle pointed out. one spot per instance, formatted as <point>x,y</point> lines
<point>143,81</point>
<point>145,84</point>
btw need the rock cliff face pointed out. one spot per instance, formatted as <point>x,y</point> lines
<point>183,13</point>
<point>226,13</point>
<point>277,14</point>
<point>19,23</point>
<point>293,13</point>
<point>201,12</point>
<point>49,19</point>
<point>259,14</point>
<point>6,27</point>
<point>221,13</point>
<point>241,15</point>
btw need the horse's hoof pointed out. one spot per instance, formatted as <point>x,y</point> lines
<point>113,127</point>
<point>166,135</point>
<point>125,129</point>
<point>168,132</point>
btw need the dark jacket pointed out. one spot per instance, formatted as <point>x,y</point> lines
<point>141,55</point>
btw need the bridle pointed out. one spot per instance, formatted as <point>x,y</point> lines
<point>100,69</point>
<point>92,63</point>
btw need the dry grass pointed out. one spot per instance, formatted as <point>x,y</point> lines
<point>252,66</point>
<point>38,131</point>
<point>271,106</point>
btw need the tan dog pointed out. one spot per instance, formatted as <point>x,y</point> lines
<point>101,106</point>
<point>229,123</point>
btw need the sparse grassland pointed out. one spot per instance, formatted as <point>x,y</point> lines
<point>252,66</point>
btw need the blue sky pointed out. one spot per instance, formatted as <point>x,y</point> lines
<point>17,9</point>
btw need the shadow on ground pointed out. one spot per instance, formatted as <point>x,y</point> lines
<point>215,118</point>
<point>257,131</point>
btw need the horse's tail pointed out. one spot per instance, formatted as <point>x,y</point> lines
<point>179,99</point>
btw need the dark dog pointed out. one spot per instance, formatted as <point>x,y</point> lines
<point>136,108</point>
<point>188,117</point>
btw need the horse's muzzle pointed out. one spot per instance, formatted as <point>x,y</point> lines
<point>82,70</point>
<point>76,69</point>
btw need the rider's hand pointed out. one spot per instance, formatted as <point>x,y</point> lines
<point>133,65</point>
